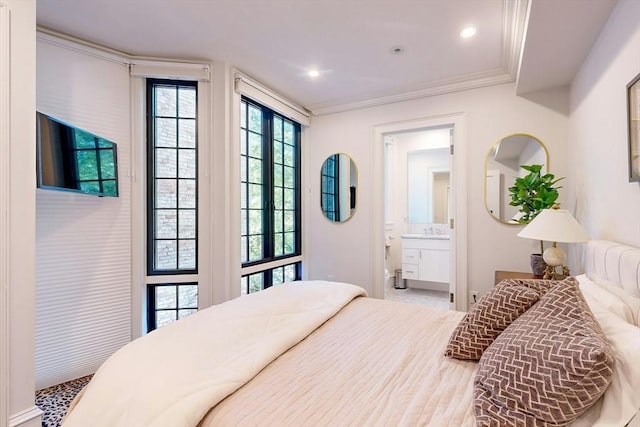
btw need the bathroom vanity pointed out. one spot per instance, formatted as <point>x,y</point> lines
<point>426,257</point>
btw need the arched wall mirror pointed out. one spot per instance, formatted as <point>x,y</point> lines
<point>338,187</point>
<point>502,166</point>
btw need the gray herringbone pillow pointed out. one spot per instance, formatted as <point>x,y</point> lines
<point>487,319</point>
<point>548,367</point>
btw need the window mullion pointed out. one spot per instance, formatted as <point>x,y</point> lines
<point>267,167</point>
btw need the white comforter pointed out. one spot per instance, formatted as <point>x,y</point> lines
<point>174,375</point>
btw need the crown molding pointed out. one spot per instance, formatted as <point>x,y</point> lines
<point>201,67</point>
<point>475,81</point>
<point>513,29</point>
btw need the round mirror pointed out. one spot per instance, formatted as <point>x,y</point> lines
<point>502,166</point>
<point>338,183</point>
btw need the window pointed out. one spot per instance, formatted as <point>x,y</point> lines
<point>172,200</point>
<point>256,282</point>
<point>169,302</point>
<point>172,168</point>
<point>270,190</point>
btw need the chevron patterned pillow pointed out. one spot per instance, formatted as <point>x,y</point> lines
<point>541,286</point>
<point>487,319</point>
<point>548,367</point>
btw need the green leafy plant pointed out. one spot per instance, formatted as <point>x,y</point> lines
<point>533,192</point>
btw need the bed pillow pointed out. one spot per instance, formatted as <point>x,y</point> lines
<point>541,286</point>
<point>487,319</point>
<point>606,298</point>
<point>548,367</point>
<point>621,400</point>
<point>632,302</point>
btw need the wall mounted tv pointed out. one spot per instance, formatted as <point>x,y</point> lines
<point>72,159</point>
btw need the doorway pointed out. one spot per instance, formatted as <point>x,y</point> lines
<point>417,239</point>
<point>437,208</point>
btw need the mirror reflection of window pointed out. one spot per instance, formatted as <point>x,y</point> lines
<point>338,187</point>
<point>502,166</point>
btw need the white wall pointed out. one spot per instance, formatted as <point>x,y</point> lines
<point>83,242</point>
<point>17,119</point>
<point>342,250</point>
<point>599,192</point>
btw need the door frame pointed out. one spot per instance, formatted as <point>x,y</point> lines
<point>458,285</point>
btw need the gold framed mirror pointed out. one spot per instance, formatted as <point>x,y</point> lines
<point>502,166</point>
<point>338,187</point>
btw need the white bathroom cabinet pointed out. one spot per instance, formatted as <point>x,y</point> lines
<point>425,258</point>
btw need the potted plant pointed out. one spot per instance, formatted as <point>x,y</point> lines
<point>533,193</point>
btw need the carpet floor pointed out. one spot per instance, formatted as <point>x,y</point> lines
<point>55,400</point>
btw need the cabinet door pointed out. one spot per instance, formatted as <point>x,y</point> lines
<point>411,271</point>
<point>434,265</point>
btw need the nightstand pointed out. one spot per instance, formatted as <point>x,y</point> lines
<point>501,275</point>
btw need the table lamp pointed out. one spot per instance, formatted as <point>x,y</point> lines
<point>554,225</point>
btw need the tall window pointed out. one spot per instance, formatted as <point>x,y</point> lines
<point>270,190</point>
<point>172,192</point>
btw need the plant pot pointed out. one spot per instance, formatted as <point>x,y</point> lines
<point>538,265</point>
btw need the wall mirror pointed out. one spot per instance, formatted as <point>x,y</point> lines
<point>428,186</point>
<point>338,187</point>
<point>502,166</point>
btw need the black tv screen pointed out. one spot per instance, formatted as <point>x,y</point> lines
<point>73,159</point>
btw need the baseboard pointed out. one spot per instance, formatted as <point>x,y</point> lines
<point>28,418</point>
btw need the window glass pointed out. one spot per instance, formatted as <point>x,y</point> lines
<point>269,192</point>
<point>173,187</point>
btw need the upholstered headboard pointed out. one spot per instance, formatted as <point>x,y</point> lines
<point>614,262</point>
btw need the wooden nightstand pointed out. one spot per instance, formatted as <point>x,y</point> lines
<point>501,275</point>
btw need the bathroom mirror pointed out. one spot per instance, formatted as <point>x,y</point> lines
<point>502,166</point>
<point>338,187</point>
<point>428,186</point>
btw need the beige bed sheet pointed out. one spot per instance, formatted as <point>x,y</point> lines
<point>376,363</point>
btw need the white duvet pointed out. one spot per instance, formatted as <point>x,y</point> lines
<point>174,375</point>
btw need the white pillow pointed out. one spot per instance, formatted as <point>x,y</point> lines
<point>621,401</point>
<point>605,299</point>
<point>631,301</point>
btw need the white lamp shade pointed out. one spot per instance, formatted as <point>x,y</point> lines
<point>554,225</point>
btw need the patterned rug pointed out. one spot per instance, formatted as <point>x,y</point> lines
<point>54,401</point>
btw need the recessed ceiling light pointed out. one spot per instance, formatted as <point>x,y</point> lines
<point>313,73</point>
<point>468,32</point>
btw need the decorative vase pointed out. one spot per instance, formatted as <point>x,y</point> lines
<point>538,265</point>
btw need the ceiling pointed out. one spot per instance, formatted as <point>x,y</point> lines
<point>350,41</point>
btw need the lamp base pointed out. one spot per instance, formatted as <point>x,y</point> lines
<point>552,273</point>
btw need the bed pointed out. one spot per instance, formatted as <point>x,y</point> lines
<point>322,353</point>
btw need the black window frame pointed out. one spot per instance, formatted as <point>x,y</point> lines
<point>151,302</point>
<point>151,178</point>
<point>268,186</point>
<point>267,276</point>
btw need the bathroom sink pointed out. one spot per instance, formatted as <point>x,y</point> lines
<point>426,236</point>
